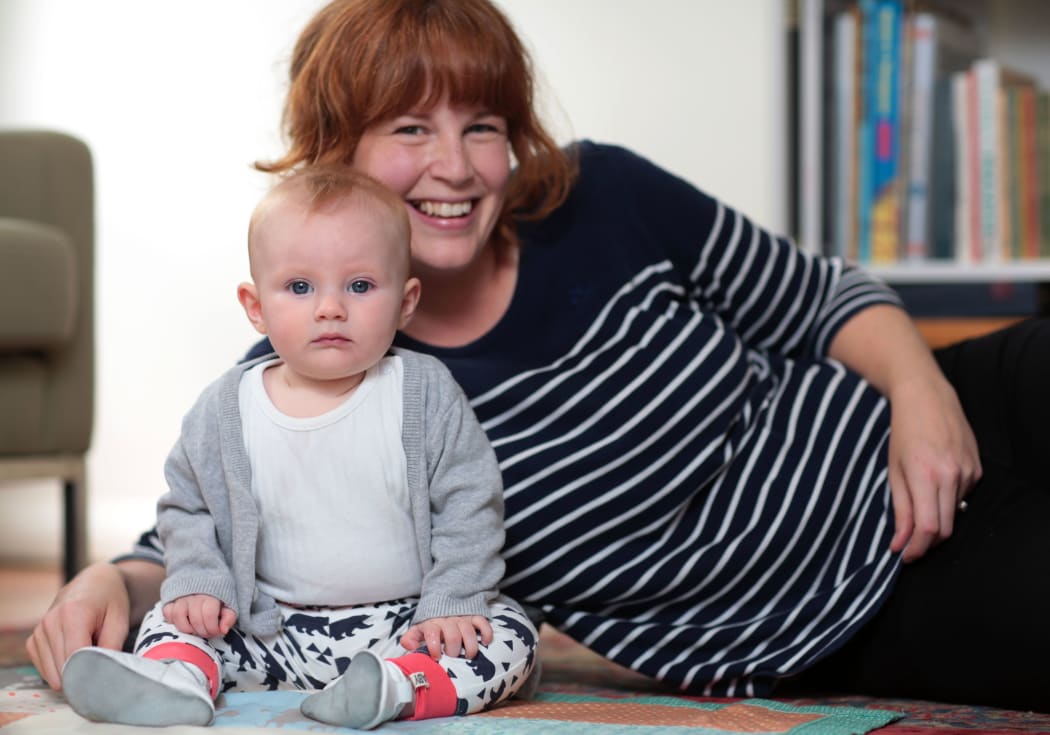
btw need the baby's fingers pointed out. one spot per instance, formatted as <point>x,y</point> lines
<point>412,639</point>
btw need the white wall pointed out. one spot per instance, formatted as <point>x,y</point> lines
<point>177,99</point>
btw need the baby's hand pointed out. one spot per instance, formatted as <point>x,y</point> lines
<point>459,634</point>
<point>201,615</point>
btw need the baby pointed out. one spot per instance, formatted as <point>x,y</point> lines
<point>334,515</point>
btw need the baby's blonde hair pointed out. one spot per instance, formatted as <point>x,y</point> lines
<point>328,188</point>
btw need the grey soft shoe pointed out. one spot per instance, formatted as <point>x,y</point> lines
<point>111,686</point>
<point>365,696</point>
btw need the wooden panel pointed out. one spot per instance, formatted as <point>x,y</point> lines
<point>946,330</point>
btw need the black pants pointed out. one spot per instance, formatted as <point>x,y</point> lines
<point>970,621</point>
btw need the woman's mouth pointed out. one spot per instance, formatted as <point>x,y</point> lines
<point>444,210</point>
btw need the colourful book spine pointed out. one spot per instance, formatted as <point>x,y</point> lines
<point>846,107</point>
<point>1028,174</point>
<point>973,245</point>
<point>1043,166</point>
<point>922,30</point>
<point>885,20</point>
<point>987,80</point>
<point>1010,200</point>
<point>963,165</point>
<point>864,131</point>
<point>943,173</point>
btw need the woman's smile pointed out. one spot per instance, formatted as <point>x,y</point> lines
<point>443,210</point>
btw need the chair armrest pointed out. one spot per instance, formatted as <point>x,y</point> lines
<point>38,286</point>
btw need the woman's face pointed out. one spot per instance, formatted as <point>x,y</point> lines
<point>451,166</point>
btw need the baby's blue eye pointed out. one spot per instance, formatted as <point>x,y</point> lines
<point>299,288</point>
<point>360,286</point>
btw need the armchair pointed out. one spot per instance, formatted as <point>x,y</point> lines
<point>47,319</point>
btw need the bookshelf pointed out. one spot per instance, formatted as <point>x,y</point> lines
<point>932,272</point>
<point>1016,33</point>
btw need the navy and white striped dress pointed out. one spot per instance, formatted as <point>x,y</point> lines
<point>691,490</point>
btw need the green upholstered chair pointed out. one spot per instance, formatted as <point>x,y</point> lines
<point>47,240</point>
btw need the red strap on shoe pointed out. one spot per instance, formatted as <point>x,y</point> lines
<point>191,655</point>
<point>435,694</point>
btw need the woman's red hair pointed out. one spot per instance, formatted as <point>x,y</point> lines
<point>361,62</point>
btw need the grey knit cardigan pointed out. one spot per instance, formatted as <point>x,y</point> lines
<point>209,523</point>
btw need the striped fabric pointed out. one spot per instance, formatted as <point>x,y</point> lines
<point>691,489</point>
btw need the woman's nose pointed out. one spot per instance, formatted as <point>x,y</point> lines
<point>451,160</point>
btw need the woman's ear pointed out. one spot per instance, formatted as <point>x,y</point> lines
<point>248,295</point>
<point>409,301</point>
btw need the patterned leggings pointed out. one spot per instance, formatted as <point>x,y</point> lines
<point>315,645</point>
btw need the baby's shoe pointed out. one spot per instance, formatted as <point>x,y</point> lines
<point>370,692</point>
<point>111,686</point>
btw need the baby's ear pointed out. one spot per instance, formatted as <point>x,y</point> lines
<point>249,298</point>
<point>409,301</point>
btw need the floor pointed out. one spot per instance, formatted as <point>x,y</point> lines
<point>25,593</point>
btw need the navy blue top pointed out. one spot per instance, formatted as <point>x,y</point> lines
<point>693,489</point>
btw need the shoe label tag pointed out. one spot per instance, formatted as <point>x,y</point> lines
<point>419,680</point>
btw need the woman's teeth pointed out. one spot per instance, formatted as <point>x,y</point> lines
<point>445,209</point>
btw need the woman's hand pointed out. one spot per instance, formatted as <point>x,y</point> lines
<point>933,459</point>
<point>201,615</point>
<point>92,609</point>
<point>95,608</point>
<point>933,462</point>
<point>459,634</point>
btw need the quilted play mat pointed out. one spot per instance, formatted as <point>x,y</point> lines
<point>581,695</point>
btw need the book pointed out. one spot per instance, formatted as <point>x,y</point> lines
<point>941,191</point>
<point>880,146</point>
<point>1010,164</point>
<point>941,44</point>
<point>1043,168</point>
<point>846,110</point>
<point>1027,173</point>
<point>987,238</point>
<point>921,30</point>
<point>990,78</point>
<point>1021,226</point>
<point>965,155</point>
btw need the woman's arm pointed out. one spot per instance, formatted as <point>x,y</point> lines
<point>933,459</point>
<point>96,607</point>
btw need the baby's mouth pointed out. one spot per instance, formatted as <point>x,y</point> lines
<point>444,210</point>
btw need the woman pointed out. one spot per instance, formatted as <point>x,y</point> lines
<point>716,449</point>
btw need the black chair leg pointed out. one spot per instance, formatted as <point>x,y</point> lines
<point>74,550</point>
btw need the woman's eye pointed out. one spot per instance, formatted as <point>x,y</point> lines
<point>410,130</point>
<point>299,288</point>
<point>360,286</point>
<point>489,124</point>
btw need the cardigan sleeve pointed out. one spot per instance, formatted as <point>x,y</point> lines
<point>186,525</point>
<point>466,504</point>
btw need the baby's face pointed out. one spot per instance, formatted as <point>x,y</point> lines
<point>332,288</point>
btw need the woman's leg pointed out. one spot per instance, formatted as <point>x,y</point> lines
<point>1003,382</point>
<point>967,622</point>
